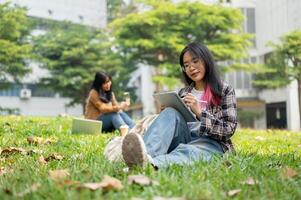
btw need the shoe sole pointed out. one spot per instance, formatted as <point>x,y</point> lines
<point>132,150</point>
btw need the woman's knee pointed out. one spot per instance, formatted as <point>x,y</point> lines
<point>115,115</point>
<point>170,111</point>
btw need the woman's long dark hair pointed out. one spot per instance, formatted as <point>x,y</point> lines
<point>213,84</point>
<point>99,80</point>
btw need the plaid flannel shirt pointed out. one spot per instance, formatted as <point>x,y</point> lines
<point>217,122</point>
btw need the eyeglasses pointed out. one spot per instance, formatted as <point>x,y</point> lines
<point>196,63</point>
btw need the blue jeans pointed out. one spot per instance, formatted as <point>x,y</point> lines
<point>169,141</point>
<point>113,121</point>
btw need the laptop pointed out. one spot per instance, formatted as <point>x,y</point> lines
<point>87,126</point>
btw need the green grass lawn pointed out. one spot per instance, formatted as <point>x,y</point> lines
<point>270,158</point>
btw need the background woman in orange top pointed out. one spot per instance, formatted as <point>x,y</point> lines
<point>102,105</point>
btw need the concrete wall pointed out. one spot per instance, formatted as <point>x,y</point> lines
<point>275,18</point>
<point>41,106</point>
<point>142,80</point>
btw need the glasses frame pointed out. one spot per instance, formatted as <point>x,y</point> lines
<point>199,61</point>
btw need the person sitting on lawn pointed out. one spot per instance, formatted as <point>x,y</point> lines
<point>102,105</point>
<point>170,139</point>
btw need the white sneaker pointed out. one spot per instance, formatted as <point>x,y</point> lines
<point>134,151</point>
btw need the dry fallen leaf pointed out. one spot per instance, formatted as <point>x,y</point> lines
<point>70,182</point>
<point>141,180</point>
<point>233,193</point>
<point>58,175</point>
<point>54,156</point>
<point>259,138</point>
<point>4,170</point>
<point>34,151</point>
<point>289,173</point>
<point>7,191</point>
<point>108,183</point>
<point>91,186</point>
<point>227,163</point>
<point>249,181</point>
<point>12,150</point>
<point>39,140</point>
<point>42,160</point>
<point>32,188</point>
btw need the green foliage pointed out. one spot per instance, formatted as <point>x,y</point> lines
<point>170,83</point>
<point>157,35</point>
<point>246,118</point>
<point>274,73</point>
<point>284,64</point>
<point>72,55</point>
<point>263,160</point>
<point>15,49</point>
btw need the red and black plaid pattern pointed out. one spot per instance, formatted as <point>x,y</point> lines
<point>218,122</point>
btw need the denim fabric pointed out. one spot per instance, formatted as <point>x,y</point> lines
<point>113,121</point>
<point>169,141</point>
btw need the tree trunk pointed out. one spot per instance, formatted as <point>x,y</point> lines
<point>299,98</point>
<point>83,106</point>
<point>84,98</point>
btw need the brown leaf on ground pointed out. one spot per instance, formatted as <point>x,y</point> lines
<point>31,189</point>
<point>4,170</point>
<point>141,180</point>
<point>249,181</point>
<point>7,191</point>
<point>108,183</point>
<point>259,138</point>
<point>42,160</point>
<point>233,193</point>
<point>227,163</point>
<point>59,175</point>
<point>39,140</point>
<point>168,198</point>
<point>54,156</point>
<point>288,173</point>
<point>70,182</point>
<point>91,186</point>
<point>34,151</point>
<point>12,150</point>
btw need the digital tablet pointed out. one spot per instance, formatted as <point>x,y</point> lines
<point>172,99</point>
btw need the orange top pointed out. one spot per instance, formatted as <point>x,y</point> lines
<point>95,107</point>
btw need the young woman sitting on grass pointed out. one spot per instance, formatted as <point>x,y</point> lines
<point>102,105</point>
<point>170,139</point>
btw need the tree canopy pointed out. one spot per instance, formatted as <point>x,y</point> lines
<point>156,35</point>
<point>72,55</point>
<point>15,48</point>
